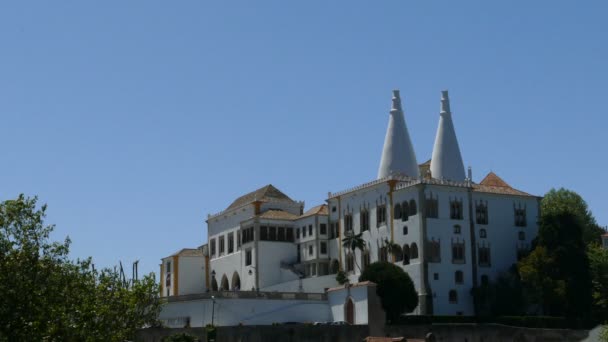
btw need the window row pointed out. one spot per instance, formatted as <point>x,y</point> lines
<point>458,277</point>
<point>270,233</point>
<point>458,253</point>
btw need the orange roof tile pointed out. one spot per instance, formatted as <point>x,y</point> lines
<point>267,192</point>
<point>318,210</point>
<point>494,184</point>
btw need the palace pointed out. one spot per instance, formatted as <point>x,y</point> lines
<point>448,232</point>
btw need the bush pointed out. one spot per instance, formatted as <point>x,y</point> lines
<point>394,287</point>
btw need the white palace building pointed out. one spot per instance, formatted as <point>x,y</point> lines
<point>268,260</point>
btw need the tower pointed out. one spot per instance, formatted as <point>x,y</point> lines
<point>398,155</point>
<point>446,161</point>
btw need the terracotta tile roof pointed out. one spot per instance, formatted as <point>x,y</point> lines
<point>494,184</point>
<point>318,210</point>
<point>188,252</point>
<point>265,193</point>
<point>278,215</point>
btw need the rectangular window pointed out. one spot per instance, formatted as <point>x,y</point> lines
<point>483,254</point>
<point>248,257</point>
<point>432,206</point>
<point>281,235</point>
<point>456,210</point>
<point>434,251</point>
<point>247,234</point>
<point>263,233</point>
<point>230,243</point>
<point>304,231</point>
<point>481,212</point>
<point>212,247</point>
<point>458,252</point>
<point>323,247</point>
<point>297,233</point>
<point>380,215</point>
<point>310,250</point>
<point>272,233</point>
<point>348,222</point>
<point>238,240</point>
<point>520,216</point>
<point>222,244</point>
<point>310,230</point>
<point>289,234</point>
<point>364,220</point>
<point>323,228</point>
<point>168,266</point>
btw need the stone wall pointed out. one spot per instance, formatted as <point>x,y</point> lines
<point>328,333</point>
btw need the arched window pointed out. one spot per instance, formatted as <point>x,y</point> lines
<point>236,282</point>
<point>453,296</point>
<point>404,230</point>
<point>224,286</point>
<point>405,211</point>
<point>458,277</point>
<point>365,259</point>
<point>213,284</point>
<point>335,266</point>
<point>414,251</point>
<point>350,262</point>
<point>349,311</point>
<point>383,254</point>
<point>398,253</point>
<point>413,209</point>
<point>397,211</point>
<point>406,254</point>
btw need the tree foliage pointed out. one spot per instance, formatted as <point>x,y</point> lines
<point>598,266</point>
<point>46,296</point>
<point>502,297</point>
<point>564,201</point>
<point>556,273</point>
<point>395,288</point>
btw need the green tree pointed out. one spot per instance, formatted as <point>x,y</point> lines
<point>604,333</point>
<point>394,287</point>
<point>46,296</point>
<point>540,275</point>
<point>598,266</point>
<point>563,201</point>
<point>502,297</point>
<point>556,274</point>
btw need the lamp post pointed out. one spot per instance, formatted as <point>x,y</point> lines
<point>212,310</point>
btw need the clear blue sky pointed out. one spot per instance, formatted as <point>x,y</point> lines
<point>134,119</point>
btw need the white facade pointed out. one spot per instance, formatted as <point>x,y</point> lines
<point>183,272</point>
<point>453,233</point>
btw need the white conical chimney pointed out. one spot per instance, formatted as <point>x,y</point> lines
<point>398,155</point>
<point>446,162</point>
